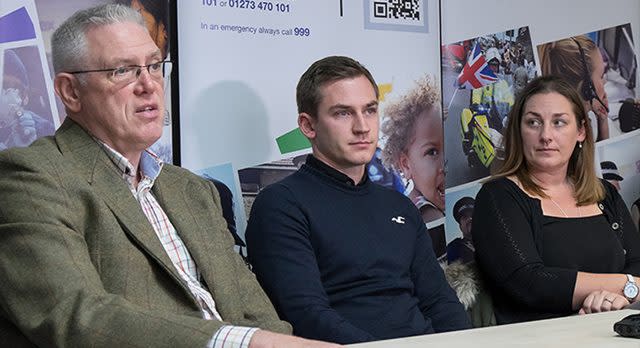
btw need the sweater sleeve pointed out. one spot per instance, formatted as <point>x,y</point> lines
<point>630,235</point>
<point>505,239</point>
<point>284,261</point>
<point>438,301</point>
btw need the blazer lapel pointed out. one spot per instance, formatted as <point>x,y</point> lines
<point>173,194</point>
<point>93,164</point>
<point>198,226</point>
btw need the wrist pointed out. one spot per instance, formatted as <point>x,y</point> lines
<point>630,289</point>
<point>602,119</point>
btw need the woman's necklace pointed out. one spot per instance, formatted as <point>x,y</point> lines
<point>555,203</point>
<point>562,210</point>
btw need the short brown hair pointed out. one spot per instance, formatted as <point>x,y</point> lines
<point>401,116</point>
<point>581,169</point>
<point>329,69</point>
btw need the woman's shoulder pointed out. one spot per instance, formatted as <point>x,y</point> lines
<point>610,190</point>
<point>612,196</point>
<point>503,188</point>
<point>502,184</point>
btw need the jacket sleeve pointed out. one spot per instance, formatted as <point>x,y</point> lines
<point>628,232</point>
<point>285,264</point>
<point>503,235</point>
<point>438,301</point>
<point>51,290</point>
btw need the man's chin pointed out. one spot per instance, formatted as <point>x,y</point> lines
<point>367,156</point>
<point>152,138</point>
<point>364,160</point>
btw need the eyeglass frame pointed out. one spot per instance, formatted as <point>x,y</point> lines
<point>138,72</point>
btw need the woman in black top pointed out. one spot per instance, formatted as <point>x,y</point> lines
<point>551,238</point>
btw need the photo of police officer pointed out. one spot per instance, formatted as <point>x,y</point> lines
<point>611,174</point>
<point>461,249</point>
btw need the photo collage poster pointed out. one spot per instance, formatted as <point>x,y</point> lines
<point>482,74</point>
<point>238,92</point>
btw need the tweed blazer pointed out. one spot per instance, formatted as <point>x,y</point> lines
<point>80,265</point>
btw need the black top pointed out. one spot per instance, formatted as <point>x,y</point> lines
<point>348,263</point>
<point>531,260</point>
<point>598,252</point>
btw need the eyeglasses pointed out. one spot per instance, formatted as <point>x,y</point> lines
<point>130,73</point>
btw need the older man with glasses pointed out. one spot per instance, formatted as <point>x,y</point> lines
<point>102,244</point>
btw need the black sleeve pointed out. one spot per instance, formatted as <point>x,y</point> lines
<point>438,301</point>
<point>503,234</point>
<point>628,231</point>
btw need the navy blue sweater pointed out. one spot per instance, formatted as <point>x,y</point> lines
<point>348,263</point>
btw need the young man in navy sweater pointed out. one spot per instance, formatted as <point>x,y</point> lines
<point>344,259</point>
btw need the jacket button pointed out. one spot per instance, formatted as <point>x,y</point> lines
<point>615,226</point>
<point>601,206</point>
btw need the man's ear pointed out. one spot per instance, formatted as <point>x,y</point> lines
<point>65,85</point>
<point>307,125</point>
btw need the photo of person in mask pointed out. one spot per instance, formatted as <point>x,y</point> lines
<point>19,126</point>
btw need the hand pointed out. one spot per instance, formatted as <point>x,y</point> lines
<point>600,110</point>
<point>601,113</point>
<point>268,339</point>
<point>603,301</point>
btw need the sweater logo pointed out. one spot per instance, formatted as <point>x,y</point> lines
<point>398,219</point>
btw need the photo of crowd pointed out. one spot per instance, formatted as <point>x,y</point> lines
<point>481,77</point>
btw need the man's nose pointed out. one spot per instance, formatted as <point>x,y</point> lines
<point>145,82</point>
<point>360,123</point>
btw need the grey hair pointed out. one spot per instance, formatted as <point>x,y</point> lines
<point>69,43</point>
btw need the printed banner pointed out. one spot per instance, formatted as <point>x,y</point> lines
<point>237,94</point>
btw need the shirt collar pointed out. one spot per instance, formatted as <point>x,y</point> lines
<point>150,163</point>
<point>334,173</point>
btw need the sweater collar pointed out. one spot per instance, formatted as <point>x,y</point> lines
<point>334,173</point>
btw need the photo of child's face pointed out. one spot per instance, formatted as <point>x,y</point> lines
<point>423,160</point>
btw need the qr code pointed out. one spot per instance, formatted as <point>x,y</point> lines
<point>397,9</point>
<point>397,15</point>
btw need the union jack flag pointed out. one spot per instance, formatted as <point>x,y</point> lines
<point>476,73</point>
